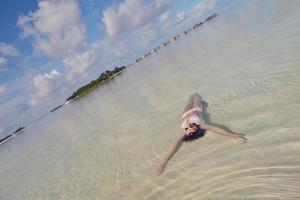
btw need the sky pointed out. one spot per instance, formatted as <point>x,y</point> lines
<point>49,48</point>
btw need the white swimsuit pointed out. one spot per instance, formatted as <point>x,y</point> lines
<point>194,118</point>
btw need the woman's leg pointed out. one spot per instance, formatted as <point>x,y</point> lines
<point>189,104</point>
<point>196,100</point>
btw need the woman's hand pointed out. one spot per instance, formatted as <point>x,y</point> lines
<point>171,153</point>
<point>240,138</point>
<point>160,170</point>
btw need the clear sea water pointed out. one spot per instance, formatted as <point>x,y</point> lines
<point>245,65</point>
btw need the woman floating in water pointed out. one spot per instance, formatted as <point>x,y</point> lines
<point>194,128</point>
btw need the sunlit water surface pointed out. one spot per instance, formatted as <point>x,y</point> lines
<point>245,65</point>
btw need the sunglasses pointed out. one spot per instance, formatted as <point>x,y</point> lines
<point>191,126</point>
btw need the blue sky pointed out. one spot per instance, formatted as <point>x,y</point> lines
<point>50,48</point>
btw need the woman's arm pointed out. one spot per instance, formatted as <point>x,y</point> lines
<point>239,137</point>
<point>171,153</point>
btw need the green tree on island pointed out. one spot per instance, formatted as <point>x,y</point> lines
<point>94,83</point>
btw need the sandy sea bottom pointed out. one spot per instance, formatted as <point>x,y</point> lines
<point>109,144</point>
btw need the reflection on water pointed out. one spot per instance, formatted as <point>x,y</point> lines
<point>107,146</point>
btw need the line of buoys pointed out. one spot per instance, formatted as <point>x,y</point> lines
<point>173,39</point>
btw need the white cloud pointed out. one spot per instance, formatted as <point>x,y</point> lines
<point>77,64</point>
<point>203,6</point>
<point>111,49</point>
<point>117,51</point>
<point>147,34</point>
<point>166,16</point>
<point>56,27</point>
<point>2,88</point>
<point>181,16</point>
<point>43,85</point>
<point>11,111</point>
<point>2,61</point>
<point>7,50</point>
<point>131,14</point>
<point>131,26</point>
<point>169,20</point>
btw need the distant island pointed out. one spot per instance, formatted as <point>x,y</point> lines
<point>56,108</point>
<point>19,130</point>
<point>2,140</point>
<point>16,132</point>
<point>104,77</point>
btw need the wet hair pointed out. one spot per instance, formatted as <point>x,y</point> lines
<point>194,135</point>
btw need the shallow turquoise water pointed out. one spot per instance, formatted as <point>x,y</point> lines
<point>245,65</point>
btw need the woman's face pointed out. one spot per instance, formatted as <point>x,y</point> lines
<point>190,130</point>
